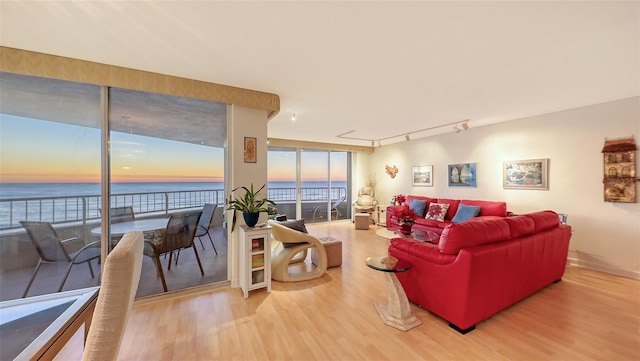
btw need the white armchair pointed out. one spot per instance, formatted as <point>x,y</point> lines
<point>296,243</point>
<point>366,201</point>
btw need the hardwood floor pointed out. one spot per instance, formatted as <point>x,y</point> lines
<point>587,316</point>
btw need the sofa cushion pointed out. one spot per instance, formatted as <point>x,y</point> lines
<point>453,206</point>
<point>544,220</point>
<point>520,226</point>
<point>488,208</point>
<point>437,211</point>
<point>418,206</point>
<point>470,234</point>
<point>465,213</point>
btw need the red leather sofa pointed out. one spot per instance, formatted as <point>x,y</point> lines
<point>488,210</point>
<point>480,268</point>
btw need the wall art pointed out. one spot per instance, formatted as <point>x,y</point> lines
<point>462,175</point>
<point>422,176</point>
<point>525,174</point>
<point>391,171</point>
<point>250,149</point>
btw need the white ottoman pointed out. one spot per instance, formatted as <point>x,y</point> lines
<point>362,220</point>
<point>333,247</point>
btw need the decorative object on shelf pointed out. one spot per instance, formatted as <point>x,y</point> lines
<point>405,220</point>
<point>398,200</point>
<point>525,174</point>
<point>422,176</point>
<point>391,171</point>
<point>250,144</point>
<point>250,204</point>
<point>462,175</point>
<point>620,170</point>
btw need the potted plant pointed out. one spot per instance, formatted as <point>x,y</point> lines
<point>250,205</point>
<point>405,220</point>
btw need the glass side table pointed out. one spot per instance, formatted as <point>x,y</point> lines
<point>395,310</point>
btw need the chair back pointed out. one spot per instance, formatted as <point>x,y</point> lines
<point>122,214</point>
<point>205,219</point>
<point>46,241</point>
<point>181,229</point>
<point>120,279</point>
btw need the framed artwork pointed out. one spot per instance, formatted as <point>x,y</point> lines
<point>422,176</point>
<point>249,149</point>
<point>462,175</point>
<point>525,174</point>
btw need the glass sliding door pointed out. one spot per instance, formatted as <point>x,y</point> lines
<point>167,169</point>
<point>281,176</point>
<point>321,189</point>
<point>49,184</point>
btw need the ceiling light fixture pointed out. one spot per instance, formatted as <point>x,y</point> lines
<point>457,127</point>
<point>293,117</point>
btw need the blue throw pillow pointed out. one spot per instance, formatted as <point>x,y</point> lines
<point>465,213</point>
<point>418,206</point>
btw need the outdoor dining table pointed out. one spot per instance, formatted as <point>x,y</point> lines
<point>143,225</point>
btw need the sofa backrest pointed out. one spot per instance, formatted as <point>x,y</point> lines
<point>410,197</point>
<point>457,236</point>
<point>488,208</point>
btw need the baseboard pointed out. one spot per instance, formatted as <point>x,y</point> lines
<point>604,268</point>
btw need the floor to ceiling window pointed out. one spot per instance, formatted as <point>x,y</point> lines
<point>49,183</point>
<point>166,156</point>
<point>167,162</point>
<point>320,192</point>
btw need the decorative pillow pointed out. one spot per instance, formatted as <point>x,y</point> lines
<point>418,206</point>
<point>437,211</point>
<point>465,213</point>
<point>297,224</point>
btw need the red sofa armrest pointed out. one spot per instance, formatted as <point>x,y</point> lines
<point>426,251</point>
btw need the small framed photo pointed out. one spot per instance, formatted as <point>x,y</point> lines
<point>525,174</point>
<point>462,175</point>
<point>422,176</point>
<point>250,149</point>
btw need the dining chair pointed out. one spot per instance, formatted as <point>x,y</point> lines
<point>205,223</point>
<point>51,249</point>
<point>120,278</point>
<point>179,234</point>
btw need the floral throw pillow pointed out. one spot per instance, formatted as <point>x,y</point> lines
<point>437,211</point>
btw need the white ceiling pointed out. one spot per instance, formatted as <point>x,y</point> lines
<point>375,69</point>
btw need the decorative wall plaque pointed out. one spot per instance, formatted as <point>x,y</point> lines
<point>620,170</point>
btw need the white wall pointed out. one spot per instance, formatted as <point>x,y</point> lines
<point>243,122</point>
<point>606,236</point>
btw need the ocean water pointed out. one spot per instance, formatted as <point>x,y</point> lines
<point>24,201</point>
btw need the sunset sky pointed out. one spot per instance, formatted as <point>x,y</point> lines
<point>35,151</point>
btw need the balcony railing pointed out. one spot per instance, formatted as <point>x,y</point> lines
<point>81,209</point>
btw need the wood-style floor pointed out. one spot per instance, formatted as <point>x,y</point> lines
<point>588,316</point>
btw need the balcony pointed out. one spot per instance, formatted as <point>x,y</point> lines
<point>76,216</point>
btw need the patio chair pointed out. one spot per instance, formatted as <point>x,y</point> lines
<point>120,279</point>
<point>179,234</point>
<point>335,209</point>
<point>205,223</point>
<point>52,250</point>
<point>122,214</point>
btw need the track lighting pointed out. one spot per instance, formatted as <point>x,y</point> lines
<point>293,117</point>
<point>379,144</point>
<point>372,143</point>
<point>407,137</point>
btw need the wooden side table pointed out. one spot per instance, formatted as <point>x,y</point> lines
<point>395,311</point>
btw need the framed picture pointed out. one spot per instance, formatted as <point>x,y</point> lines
<point>462,175</point>
<point>249,149</point>
<point>422,176</point>
<point>525,174</point>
